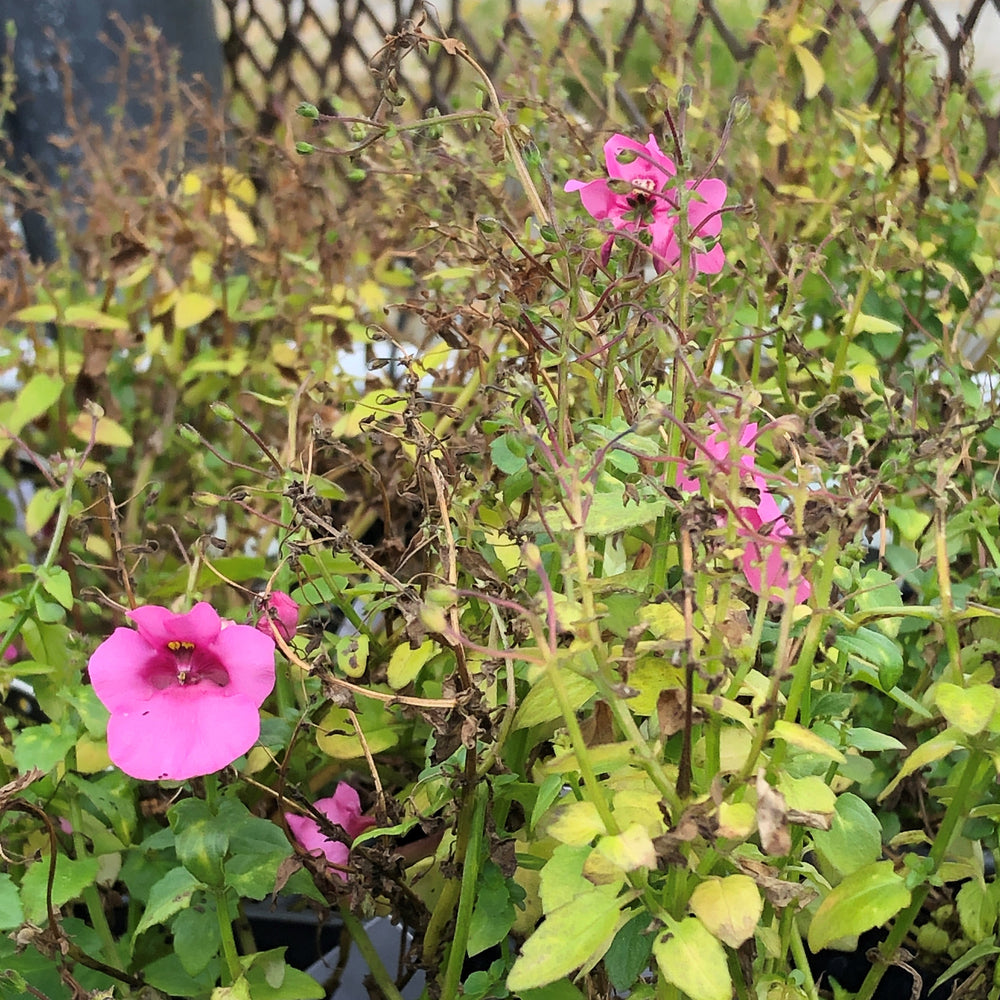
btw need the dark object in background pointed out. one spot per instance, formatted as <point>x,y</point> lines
<point>849,968</point>
<point>76,26</point>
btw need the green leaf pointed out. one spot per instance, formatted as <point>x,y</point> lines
<point>693,960</point>
<point>608,514</point>
<point>977,911</point>
<point>854,839</point>
<point>975,955</point>
<point>43,746</point>
<point>567,938</point>
<point>866,898</point>
<point>270,978</point>
<point>541,705</point>
<point>167,975</point>
<point>563,989</point>
<point>877,589</point>
<point>11,911</point>
<point>509,453</point>
<point>202,839</point>
<point>71,878</point>
<point>258,847</point>
<point>494,914</point>
<point>870,741</point>
<point>729,907</point>
<point>875,652</point>
<point>910,523</point>
<point>629,953</point>
<point>57,583</point>
<point>168,896</point>
<point>196,936</point>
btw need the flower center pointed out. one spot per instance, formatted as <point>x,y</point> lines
<point>191,669</point>
<point>642,198</point>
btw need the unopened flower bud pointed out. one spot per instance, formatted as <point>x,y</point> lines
<point>684,96</point>
<point>740,108</point>
<point>279,608</point>
<point>304,148</point>
<point>307,110</point>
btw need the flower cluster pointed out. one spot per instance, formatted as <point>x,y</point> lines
<point>639,197</point>
<point>343,808</point>
<point>184,691</point>
<point>764,565</point>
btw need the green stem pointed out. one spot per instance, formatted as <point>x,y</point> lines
<point>370,954</point>
<point>226,937</point>
<point>91,895</point>
<point>470,876</point>
<point>822,587</point>
<point>850,326</point>
<point>955,814</point>
<point>55,545</point>
<point>801,960</point>
<point>450,896</point>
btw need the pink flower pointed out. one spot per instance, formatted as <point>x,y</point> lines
<point>639,196</point>
<point>763,563</point>
<point>342,808</point>
<point>10,653</point>
<point>184,693</point>
<point>279,608</point>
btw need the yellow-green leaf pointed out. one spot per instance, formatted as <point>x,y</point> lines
<point>629,850</point>
<point>693,960</point>
<point>866,898</point>
<point>567,938</point>
<point>805,739</point>
<point>89,318</point>
<point>811,70</point>
<point>193,308</point>
<point>728,907</point>
<point>338,738</point>
<point>927,753</point>
<point>406,663</point>
<point>875,324</point>
<point>43,313</point>
<point>968,709</point>
<point>352,655</point>
<point>576,823</point>
<point>108,432</point>
<point>40,508</point>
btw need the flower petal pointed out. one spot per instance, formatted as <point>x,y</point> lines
<point>600,201</point>
<point>649,161</point>
<point>160,625</point>
<point>183,732</point>
<point>248,657</point>
<point>120,669</point>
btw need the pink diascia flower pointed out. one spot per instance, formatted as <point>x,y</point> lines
<point>763,564</point>
<point>342,808</point>
<point>648,201</point>
<point>184,691</point>
<point>278,607</point>
<point>10,653</point>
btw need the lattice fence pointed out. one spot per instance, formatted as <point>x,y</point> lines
<point>279,52</point>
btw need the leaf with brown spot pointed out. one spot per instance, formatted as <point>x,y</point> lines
<point>772,819</point>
